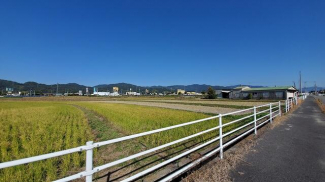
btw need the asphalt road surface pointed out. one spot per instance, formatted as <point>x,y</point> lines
<point>293,151</point>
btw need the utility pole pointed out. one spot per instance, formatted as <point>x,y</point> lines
<point>294,84</point>
<point>57,88</point>
<point>300,82</point>
<point>315,89</point>
<point>305,86</point>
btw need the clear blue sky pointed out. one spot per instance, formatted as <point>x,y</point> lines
<point>163,42</point>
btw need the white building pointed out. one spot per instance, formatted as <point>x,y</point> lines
<point>132,93</point>
<point>106,94</point>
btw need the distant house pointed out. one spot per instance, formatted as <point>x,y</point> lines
<point>285,92</point>
<point>9,90</point>
<point>192,93</point>
<point>180,91</point>
<point>132,93</point>
<point>105,94</point>
<point>237,93</point>
<point>101,93</point>
<point>223,93</point>
<point>115,89</point>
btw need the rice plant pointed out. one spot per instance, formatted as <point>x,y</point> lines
<point>33,128</point>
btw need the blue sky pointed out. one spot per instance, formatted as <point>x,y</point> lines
<point>163,42</point>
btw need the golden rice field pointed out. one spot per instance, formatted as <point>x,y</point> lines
<point>132,119</point>
<point>36,127</point>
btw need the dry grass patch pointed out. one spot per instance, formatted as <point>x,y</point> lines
<point>320,104</point>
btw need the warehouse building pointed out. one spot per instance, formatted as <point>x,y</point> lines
<point>245,92</point>
<point>285,92</point>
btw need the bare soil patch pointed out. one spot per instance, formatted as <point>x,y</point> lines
<point>223,102</point>
<point>193,108</point>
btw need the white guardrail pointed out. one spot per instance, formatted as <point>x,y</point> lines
<point>90,169</point>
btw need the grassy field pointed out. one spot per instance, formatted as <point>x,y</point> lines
<point>30,128</point>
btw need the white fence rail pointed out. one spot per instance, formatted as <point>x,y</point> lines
<point>273,110</point>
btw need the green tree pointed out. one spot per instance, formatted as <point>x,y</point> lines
<point>211,93</point>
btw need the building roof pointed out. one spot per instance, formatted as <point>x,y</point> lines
<point>272,88</point>
<point>242,88</point>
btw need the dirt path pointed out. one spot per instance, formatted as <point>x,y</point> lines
<point>103,130</point>
<point>230,102</point>
<point>193,108</point>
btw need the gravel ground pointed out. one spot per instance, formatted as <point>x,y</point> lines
<point>237,103</point>
<point>194,108</point>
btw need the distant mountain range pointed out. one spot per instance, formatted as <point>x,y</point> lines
<point>123,87</point>
<point>311,89</point>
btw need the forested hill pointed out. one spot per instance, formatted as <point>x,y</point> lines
<point>123,87</point>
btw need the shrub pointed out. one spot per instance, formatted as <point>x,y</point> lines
<point>211,93</point>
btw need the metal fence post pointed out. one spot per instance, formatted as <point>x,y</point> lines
<point>271,113</point>
<point>290,105</point>
<point>255,129</point>
<point>286,106</point>
<point>297,100</point>
<point>89,161</point>
<point>220,136</point>
<point>280,108</point>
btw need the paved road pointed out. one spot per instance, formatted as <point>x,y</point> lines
<point>294,151</point>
